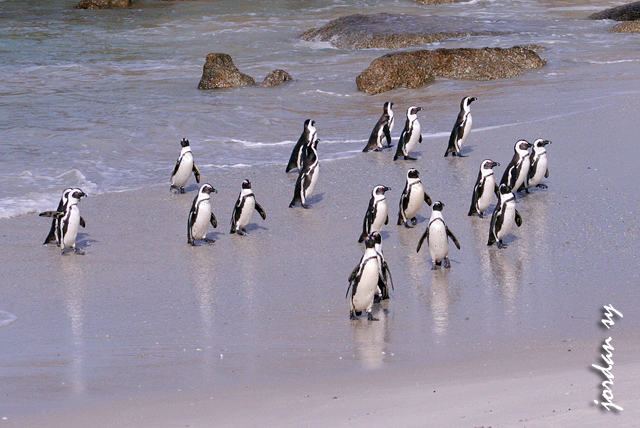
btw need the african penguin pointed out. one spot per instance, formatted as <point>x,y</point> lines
<point>68,220</point>
<point>461,128</point>
<point>307,177</point>
<point>539,169</point>
<point>504,217</point>
<point>309,135</point>
<point>243,209</point>
<point>382,130</point>
<point>437,236</point>
<point>200,216</point>
<point>184,167</point>
<point>53,235</point>
<point>364,282</point>
<point>484,188</point>
<point>376,215</point>
<point>410,135</point>
<point>412,198</point>
<point>517,172</point>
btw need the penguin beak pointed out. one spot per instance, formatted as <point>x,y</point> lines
<point>472,99</point>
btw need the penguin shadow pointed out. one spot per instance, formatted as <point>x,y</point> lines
<point>187,189</point>
<point>83,242</point>
<point>214,236</point>
<point>251,227</point>
<point>314,199</point>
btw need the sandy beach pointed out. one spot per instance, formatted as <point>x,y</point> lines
<point>147,331</point>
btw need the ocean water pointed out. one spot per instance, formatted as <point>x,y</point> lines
<point>101,99</point>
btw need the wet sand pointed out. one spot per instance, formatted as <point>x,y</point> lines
<point>146,331</point>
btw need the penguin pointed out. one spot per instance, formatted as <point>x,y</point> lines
<point>505,215</point>
<point>309,135</point>
<point>364,283</point>
<point>200,215</point>
<point>484,188</point>
<point>538,169</point>
<point>384,277</point>
<point>377,214</point>
<point>243,209</point>
<point>461,128</point>
<point>410,135</point>
<point>184,167</point>
<point>437,236</point>
<point>517,172</point>
<point>412,198</point>
<point>307,177</point>
<point>69,221</point>
<point>382,130</point>
<point>55,232</point>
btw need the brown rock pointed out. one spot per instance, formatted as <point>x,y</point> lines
<point>390,31</point>
<point>432,2</point>
<point>103,4</point>
<point>627,12</point>
<point>276,77</point>
<point>626,27</point>
<point>414,69</point>
<point>220,72</point>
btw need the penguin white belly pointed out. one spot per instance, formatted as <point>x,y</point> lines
<point>508,221</point>
<point>415,137</point>
<point>381,216</point>
<point>73,224</point>
<point>247,212</point>
<point>487,195</point>
<point>363,299</point>
<point>465,131</point>
<point>524,172</point>
<point>199,228</point>
<point>314,179</point>
<point>541,170</point>
<point>416,198</point>
<point>184,171</point>
<point>438,242</point>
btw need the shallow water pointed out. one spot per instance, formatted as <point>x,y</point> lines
<point>101,99</point>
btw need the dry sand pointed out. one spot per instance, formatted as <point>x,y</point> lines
<point>146,331</point>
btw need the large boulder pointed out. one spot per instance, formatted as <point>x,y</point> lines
<point>627,12</point>
<point>220,72</point>
<point>418,68</point>
<point>103,4</point>
<point>384,30</point>
<point>276,77</point>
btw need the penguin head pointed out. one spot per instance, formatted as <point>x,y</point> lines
<point>541,142</point>
<point>184,142</point>
<point>76,194</point>
<point>208,189</point>
<point>246,184</point>
<point>387,107</point>
<point>377,238</point>
<point>413,173</point>
<point>489,164</point>
<point>413,111</point>
<point>437,206</point>
<point>369,242</point>
<point>504,189</point>
<point>379,190</point>
<point>522,146</point>
<point>466,101</point>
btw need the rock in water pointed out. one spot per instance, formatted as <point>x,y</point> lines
<point>627,12</point>
<point>276,77</point>
<point>220,72</point>
<point>103,4</point>
<point>417,68</point>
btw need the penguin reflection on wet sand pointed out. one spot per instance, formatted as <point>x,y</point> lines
<point>484,188</point>
<point>461,128</point>
<point>504,217</point>
<point>363,282</point>
<point>184,166</point>
<point>69,221</point>
<point>243,209</point>
<point>377,212</point>
<point>382,131</point>
<point>437,235</point>
<point>538,169</point>
<point>411,135</point>
<point>53,236</point>
<point>412,198</point>
<point>517,172</point>
<point>200,216</point>
<point>307,177</point>
<point>308,136</point>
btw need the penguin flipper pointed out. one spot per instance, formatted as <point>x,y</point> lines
<point>546,174</point>
<point>387,135</point>
<point>82,222</point>
<point>261,211</point>
<point>518,219</point>
<point>385,268</point>
<point>50,214</point>
<point>196,172</point>
<point>425,235</point>
<point>175,168</point>
<point>213,221</point>
<point>453,237</point>
<point>427,199</point>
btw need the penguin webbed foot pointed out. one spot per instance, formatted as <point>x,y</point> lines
<point>447,263</point>
<point>370,317</point>
<point>501,244</point>
<point>414,221</point>
<point>78,251</point>
<point>434,266</point>
<point>542,186</point>
<point>352,315</point>
<point>209,240</point>
<point>481,215</point>
<point>305,206</point>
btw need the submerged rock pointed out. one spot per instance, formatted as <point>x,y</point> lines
<point>391,31</point>
<point>627,12</point>
<point>418,68</point>
<point>103,4</point>
<point>220,72</point>
<point>276,77</point>
<point>626,27</point>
